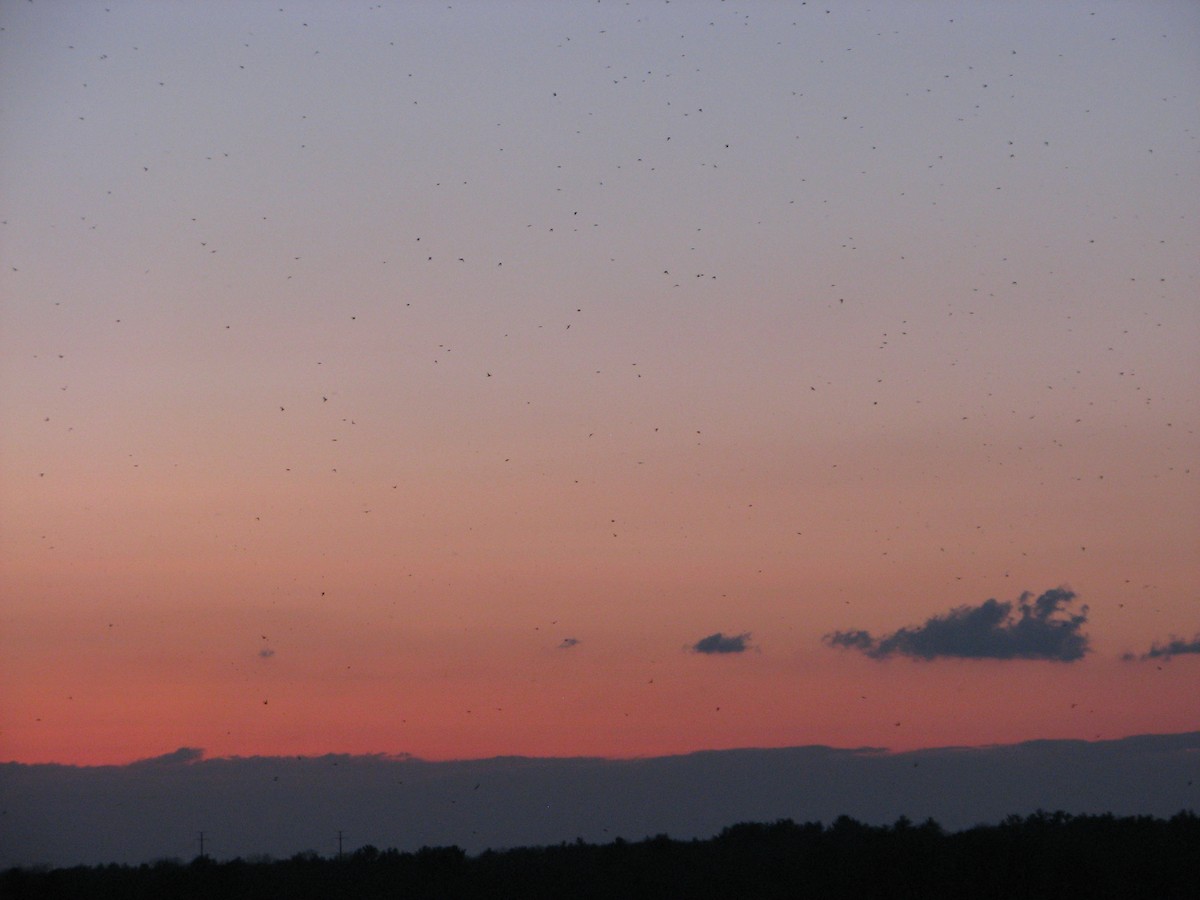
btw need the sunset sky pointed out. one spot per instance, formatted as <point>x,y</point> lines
<point>617,379</point>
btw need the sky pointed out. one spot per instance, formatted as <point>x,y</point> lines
<point>609,379</point>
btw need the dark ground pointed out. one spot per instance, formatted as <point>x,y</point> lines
<point>1045,855</point>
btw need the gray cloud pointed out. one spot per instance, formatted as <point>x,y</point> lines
<point>65,815</point>
<point>721,643</point>
<point>182,756</point>
<point>266,652</point>
<point>851,640</point>
<point>1174,647</point>
<point>1031,628</point>
<point>567,643</point>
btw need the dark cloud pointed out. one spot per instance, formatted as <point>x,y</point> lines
<point>851,640</point>
<point>266,652</point>
<point>1174,647</point>
<point>721,643</point>
<point>1031,628</point>
<point>247,806</point>
<point>180,757</point>
<point>567,643</point>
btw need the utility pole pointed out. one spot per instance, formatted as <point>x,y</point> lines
<point>202,845</point>
<point>339,844</point>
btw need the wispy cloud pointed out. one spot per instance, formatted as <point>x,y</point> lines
<point>1030,628</point>
<point>180,757</point>
<point>1174,647</point>
<point>722,643</point>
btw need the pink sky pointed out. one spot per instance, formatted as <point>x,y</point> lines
<point>407,344</point>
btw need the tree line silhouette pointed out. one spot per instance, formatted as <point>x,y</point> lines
<point>1043,855</point>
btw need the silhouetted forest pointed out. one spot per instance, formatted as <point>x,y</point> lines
<point>1045,855</point>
